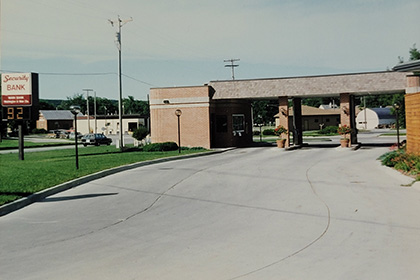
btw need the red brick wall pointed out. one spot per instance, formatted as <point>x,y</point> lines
<point>198,120</point>
<point>412,115</point>
<point>284,116</point>
<point>194,102</point>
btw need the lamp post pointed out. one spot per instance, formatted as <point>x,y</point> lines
<point>260,126</point>
<point>397,108</point>
<point>75,111</point>
<point>178,113</point>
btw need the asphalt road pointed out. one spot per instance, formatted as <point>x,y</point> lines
<point>256,213</point>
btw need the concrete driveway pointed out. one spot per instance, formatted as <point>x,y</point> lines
<point>257,213</point>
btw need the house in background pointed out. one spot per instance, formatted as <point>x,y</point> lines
<point>107,124</point>
<point>110,124</point>
<point>371,118</point>
<point>55,119</point>
<point>315,118</point>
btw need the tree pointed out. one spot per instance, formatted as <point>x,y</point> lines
<point>45,105</point>
<point>414,53</point>
<point>77,100</point>
<point>264,111</point>
<point>138,107</point>
<point>140,133</point>
<point>103,105</point>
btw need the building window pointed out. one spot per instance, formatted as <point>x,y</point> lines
<point>327,120</point>
<point>221,123</point>
<point>316,120</point>
<point>132,126</point>
<point>238,122</point>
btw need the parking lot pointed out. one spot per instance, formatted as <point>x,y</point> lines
<point>256,213</point>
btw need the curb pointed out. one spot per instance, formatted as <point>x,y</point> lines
<point>35,197</point>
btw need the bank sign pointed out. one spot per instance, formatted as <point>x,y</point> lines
<point>16,89</point>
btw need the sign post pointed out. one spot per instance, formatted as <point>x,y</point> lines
<point>178,113</point>
<point>20,93</point>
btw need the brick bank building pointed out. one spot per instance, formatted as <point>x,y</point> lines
<point>219,114</point>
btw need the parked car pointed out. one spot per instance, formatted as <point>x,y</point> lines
<point>79,135</point>
<point>63,134</point>
<point>95,139</point>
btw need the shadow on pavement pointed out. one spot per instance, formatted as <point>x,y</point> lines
<point>66,198</point>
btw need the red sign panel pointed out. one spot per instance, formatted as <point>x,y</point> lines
<point>16,100</point>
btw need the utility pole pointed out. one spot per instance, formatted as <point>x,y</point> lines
<point>232,65</point>
<point>94,110</point>
<point>87,105</point>
<point>119,24</point>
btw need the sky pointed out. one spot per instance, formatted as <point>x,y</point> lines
<point>167,43</point>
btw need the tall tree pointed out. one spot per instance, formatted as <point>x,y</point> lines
<point>137,107</point>
<point>103,105</point>
<point>78,99</point>
<point>45,105</point>
<point>414,53</point>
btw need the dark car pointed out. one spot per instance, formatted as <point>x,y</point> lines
<point>95,139</point>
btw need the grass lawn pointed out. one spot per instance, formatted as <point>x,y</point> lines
<point>14,144</point>
<point>41,170</point>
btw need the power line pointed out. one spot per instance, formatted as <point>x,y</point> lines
<point>76,74</point>
<point>231,65</point>
<point>140,81</point>
<point>83,74</point>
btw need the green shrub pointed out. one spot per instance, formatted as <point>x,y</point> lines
<point>140,133</point>
<point>400,160</point>
<point>388,159</point>
<point>161,147</point>
<point>256,133</point>
<point>328,130</point>
<point>269,131</point>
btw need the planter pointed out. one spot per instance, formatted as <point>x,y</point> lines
<point>344,142</point>
<point>281,143</point>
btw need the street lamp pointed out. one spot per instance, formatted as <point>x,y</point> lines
<point>397,108</point>
<point>260,126</point>
<point>178,113</point>
<point>75,110</point>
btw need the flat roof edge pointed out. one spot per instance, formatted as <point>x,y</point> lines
<point>310,76</point>
<point>409,66</point>
<point>168,87</point>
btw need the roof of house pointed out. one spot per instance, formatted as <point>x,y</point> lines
<point>383,113</point>
<point>313,111</point>
<point>57,114</point>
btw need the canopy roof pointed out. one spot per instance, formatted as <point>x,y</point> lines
<point>312,86</point>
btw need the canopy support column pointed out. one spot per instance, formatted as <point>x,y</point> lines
<point>297,121</point>
<point>284,116</point>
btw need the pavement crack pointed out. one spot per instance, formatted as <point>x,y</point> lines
<point>305,247</point>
